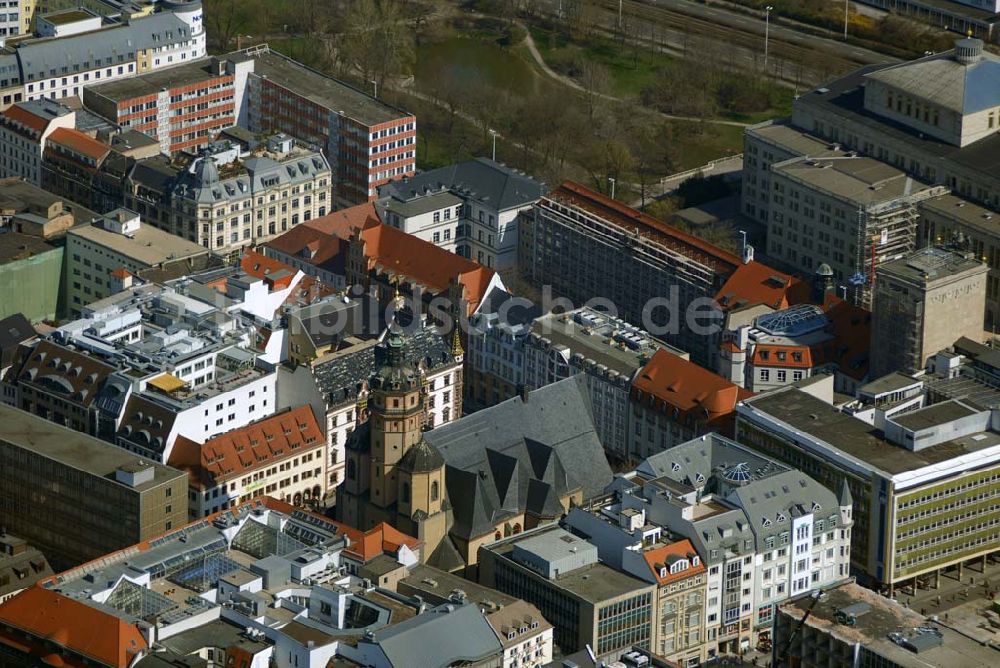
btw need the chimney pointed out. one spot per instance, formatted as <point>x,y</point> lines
<point>523,391</point>
<point>747,254</point>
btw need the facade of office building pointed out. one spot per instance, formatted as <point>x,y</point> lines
<point>75,497</point>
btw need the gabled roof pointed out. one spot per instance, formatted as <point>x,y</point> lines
<point>275,272</point>
<point>78,142</point>
<point>521,455</point>
<point>81,629</point>
<point>755,283</point>
<point>257,445</point>
<point>343,222</point>
<point>393,251</point>
<point>675,383</point>
<point>666,555</point>
<point>313,246</point>
<point>14,330</point>
<point>20,115</point>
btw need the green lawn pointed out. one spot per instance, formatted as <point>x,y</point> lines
<point>698,144</point>
<point>631,69</point>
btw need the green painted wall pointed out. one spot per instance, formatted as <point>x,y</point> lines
<point>32,286</point>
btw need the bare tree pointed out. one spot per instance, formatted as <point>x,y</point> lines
<point>226,19</point>
<point>596,82</point>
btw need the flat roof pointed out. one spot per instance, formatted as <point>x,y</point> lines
<point>327,91</point>
<point>889,383</point>
<point>968,389</point>
<point>872,629</point>
<point>844,97</point>
<point>858,439</point>
<point>963,212</point>
<point>149,245</point>
<point>928,265</point>
<point>933,416</point>
<point>16,246</point>
<point>423,205</point>
<point>594,583</point>
<point>65,16</point>
<point>796,141</point>
<point>71,448</point>
<point>154,82</point>
<point>860,180</point>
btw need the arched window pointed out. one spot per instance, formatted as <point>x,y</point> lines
<point>405,493</point>
<point>352,471</point>
<point>434,491</point>
<point>517,527</point>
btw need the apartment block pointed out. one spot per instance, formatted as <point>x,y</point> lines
<point>289,461</point>
<point>585,245</point>
<point>77,498</point>
<point>97,255</point>
<point>27,209</point>
<point>672,400</point>
<point>761,531</point>
<point>923,303</point>
<point>471,208</point>
<point>183,107</point>
<point>924,485</point>
<point>24,129</point>
<point>227,200</point>
<point>60,66</point>
<point>367,141</point>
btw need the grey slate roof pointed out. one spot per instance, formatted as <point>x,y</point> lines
<point>521,455</point>
<point>482,180</point>
<point>14,329</point>
<point>202,183</point>
<point>340,378</point>
<point>754,487</point>
<point>89,50</point>
<point>444,636</point>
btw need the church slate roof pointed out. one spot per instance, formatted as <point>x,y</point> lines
<point>521,455</point>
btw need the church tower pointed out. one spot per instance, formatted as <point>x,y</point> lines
<point>396,420</point>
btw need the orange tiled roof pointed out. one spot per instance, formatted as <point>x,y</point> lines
<point>26,118</point>
<point>342,223</point>
<point>327,251</point>
<point>258,445</point>
<point>50,617</point>
<point>756,283</point>
<point>265,268</point>
<point>394,251</point>
<point>379,539</point>
<point>790,357</point>
<point>661,556</point>
<point>79,142</point>
<point>308,291</point>
<point>672,382</point>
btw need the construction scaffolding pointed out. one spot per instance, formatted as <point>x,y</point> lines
<point>885,231</point>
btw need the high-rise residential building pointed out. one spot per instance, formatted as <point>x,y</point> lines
<point>470,208</point>
<point>228,199</point>
<point>923,303</point>
<point>367,141</point>
<point>852,213</point>
<point>77,498</point>
<point>920,470</point>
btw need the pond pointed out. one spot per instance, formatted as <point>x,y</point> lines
<point>471,60</point>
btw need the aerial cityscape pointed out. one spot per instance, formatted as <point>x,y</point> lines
<point>499,333</point>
